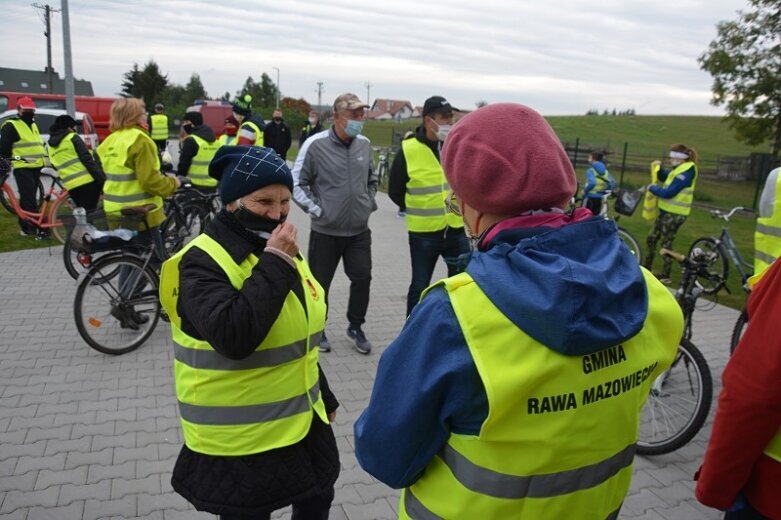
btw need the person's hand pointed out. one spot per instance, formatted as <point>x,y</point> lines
<point>332,416</point>
<point>284,238</point>
<point>175,178</point>
<point>656,162</point>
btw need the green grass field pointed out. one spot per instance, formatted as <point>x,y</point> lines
<point>647,136</point>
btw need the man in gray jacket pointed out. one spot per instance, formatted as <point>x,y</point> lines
<point>334,183</point>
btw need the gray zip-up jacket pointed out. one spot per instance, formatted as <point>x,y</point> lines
<point>335,184</point>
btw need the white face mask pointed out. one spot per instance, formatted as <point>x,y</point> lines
<point>442,130</point>
<point>312,121</point>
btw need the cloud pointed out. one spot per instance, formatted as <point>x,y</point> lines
<point>563,56</point>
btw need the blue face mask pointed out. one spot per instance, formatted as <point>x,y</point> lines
<point>353,127</point>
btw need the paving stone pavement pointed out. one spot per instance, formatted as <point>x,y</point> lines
<point>86,435</point>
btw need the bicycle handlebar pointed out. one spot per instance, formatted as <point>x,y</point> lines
<point>715,213</point>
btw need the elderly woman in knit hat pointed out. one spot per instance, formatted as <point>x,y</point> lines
<point>247,316</point>
<point>491,403</point>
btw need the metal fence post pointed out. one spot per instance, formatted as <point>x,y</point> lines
<point>623,165</point>
<point>575,157</point>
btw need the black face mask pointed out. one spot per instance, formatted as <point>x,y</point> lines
<point>27,117</point>
<point>255,222</point>
<point>188,129</point>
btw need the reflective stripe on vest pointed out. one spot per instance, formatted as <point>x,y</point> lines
<point>29,146</point>
<point>199,167</point>
<point>159,130</point>
<point>561,431</point>
<point>264,401</point>
<point>65,160</point>
<point>426,190</point>
<point>256,129</point>
<point>122,188</point>
<point>767,237</point>
<point>681,204</point>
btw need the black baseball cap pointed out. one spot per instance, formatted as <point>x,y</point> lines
<point>437,104</point>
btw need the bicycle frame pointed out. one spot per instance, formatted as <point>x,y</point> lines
<point>725,239</point>
<point>42,218</point>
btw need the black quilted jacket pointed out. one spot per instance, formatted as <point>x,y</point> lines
<point>265,481</point>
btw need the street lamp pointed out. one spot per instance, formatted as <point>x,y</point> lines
<point>277,69</point>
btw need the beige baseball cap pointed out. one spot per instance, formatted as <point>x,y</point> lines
<point>348,102</point>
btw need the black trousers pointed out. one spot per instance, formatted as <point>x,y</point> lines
<point>315,508</point>
<point>87,196</point>
<point>325,251</point>
<point>27,181</point>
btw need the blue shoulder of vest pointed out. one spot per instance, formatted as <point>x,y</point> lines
<point>427,387</point>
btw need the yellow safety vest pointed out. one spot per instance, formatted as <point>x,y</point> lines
<point>255,128</point>
<point>601,181</point>
<point>681,204</point>
<point>122,188</point>
<point>29,146</point>
<point>560,435</point>
<point>199,167</point>
<point>65,160</point>
<point>427,190</point>
<point>651,201</point>
<point>265,401</point>
<point>159,127</point>
<point>767,237</point>
<point>226,140</point>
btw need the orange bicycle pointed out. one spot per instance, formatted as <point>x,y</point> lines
<point>54,203</point>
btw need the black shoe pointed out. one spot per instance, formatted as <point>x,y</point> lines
<point>123,316</point>
<point>27,233</point>
<point>362,344</point>
<point>43,234</point>
<point>137,317</point>
<point>325,345</point>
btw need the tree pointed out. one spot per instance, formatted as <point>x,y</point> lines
<point>264,94</point>
<point>745,63</point>
<point>481,103</point>
<point>194,89</point>
<point>147,83</point>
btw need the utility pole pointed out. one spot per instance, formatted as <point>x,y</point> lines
<point>277,69</point>
<point>47,17</point>
<point>319,96</point>
<point>368,91</point>
<point>70,91</point>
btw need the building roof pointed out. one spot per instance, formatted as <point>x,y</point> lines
<point>391,106</point>
<point>37,82</point>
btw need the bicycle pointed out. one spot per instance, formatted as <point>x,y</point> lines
<point>382,166</point>
<point>725,250</point>
<point>116,307</point>
<point>188,211</point>
<point>680,398</point>
<point>626,203</point>
<point>54,203</point>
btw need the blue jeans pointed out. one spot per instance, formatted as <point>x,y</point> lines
<point>425,249</point>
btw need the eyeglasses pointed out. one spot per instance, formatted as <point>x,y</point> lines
<point>451,203</point>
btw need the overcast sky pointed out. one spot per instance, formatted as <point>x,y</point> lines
<point>560,57</point>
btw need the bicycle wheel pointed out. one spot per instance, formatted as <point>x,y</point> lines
<point>737,332</point>
<point>116,314</point>
<point>632,243</point>
<point>678,403</point>
<point>39,193</point>
<point>714,277</point>
<point>63,208</point>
